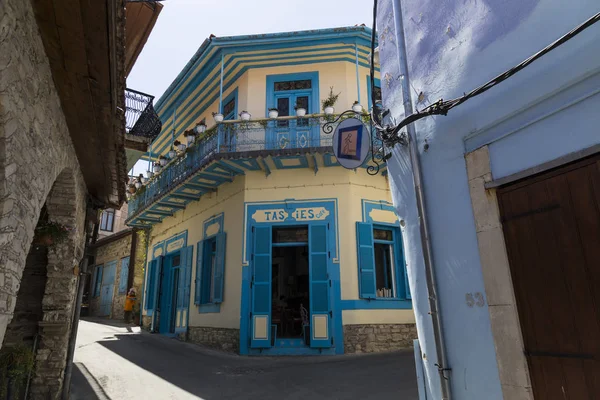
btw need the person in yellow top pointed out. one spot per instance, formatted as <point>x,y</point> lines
<point>129,302</point>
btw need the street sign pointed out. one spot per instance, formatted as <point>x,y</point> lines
<point>351,143</point>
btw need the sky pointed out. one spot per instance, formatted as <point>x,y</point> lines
<point>183,25</point>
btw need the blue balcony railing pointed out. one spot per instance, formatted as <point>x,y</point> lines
<point>283,135</point>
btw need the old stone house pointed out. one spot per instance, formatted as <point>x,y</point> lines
<point>62,156</point>
<point>120,256</point>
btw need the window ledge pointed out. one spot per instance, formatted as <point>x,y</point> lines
<point>209,308</point>
<point>377,304</point>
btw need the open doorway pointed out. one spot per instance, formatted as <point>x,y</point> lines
<point>290,294</point>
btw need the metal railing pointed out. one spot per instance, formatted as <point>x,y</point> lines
<point>140,117</point>
<point>282,136</point>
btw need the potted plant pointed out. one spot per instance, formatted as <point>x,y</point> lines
<point>245,115</point>
<point>156,167</point>
<point>218,117</point>
<point>163,160</point>
<point>178,145</point>
<point>356,107</point>
<point>172,153</point>
<point>48,233</point>
<point>131,188</point>
<point>190,136</point>
<point>149,174</point>
<point>200,126</point>
<point>300,111</point>
<point>273,113</point>
<point>138,183</point>
<point>329,102</point>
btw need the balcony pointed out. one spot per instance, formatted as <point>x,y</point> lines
<point>228,149</point>
<point>142,124</point>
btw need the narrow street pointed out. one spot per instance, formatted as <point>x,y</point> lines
<point>113,361</point>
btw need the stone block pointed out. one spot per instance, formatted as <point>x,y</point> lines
<point>512,364</point>
<point>485,205</point>
<point>478,163</point>
<point>495,267</point>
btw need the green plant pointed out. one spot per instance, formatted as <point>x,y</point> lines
<point>263,123</point>
<point>273,109</point>
<point>331,99</point>
<point>49,232</point>
<point>16,362</point>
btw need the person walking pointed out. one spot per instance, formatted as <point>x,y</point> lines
<point>129,302</point>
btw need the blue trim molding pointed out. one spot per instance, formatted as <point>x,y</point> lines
<point>176,242</point>
<point>213,226</point>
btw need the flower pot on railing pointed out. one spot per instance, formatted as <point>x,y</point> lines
<point>156,167</point>
<point>329,110</point>
<point>190,136</point>
<point>245,116</point>
<point>138,184</point>
<point>300,112</point>
<point>218,117</point>
<point>132,188</point>
<point>273,113</point>
<point>200,127</point>
<point>163,161</point>
<point>172,154</point>
<point>149,174</point>
<point>357,108</point>
<point>181,147</point>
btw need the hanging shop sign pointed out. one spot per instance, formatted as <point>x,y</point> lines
<point>351,143</point>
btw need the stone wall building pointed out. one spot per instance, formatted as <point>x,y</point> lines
<point>62,157</point>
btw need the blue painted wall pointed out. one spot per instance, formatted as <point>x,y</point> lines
<point>544,112</point>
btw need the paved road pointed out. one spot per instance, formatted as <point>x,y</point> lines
<point>115,362</point>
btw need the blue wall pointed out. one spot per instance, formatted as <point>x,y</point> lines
<point>545,111</point>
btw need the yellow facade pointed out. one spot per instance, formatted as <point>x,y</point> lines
<point>253,186</point>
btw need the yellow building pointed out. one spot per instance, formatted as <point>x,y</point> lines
<point>260,242</point>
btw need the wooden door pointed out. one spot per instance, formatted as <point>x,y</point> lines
<point>552,230</point>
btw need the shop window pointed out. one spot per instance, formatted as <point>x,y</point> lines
<point>107,220</point>
<point>210,269</point>
<point>382,271</point>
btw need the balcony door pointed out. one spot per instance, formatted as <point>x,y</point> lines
<point>285,92</point>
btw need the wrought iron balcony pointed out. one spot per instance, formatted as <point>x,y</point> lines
<point>140,117</point>
<point>235,140</point>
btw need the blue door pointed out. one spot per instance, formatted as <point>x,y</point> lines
<point>108,287</point>
<point>320,304</point>
<point>292,134</point>
<point>168,292</point>
<point>260,312</point>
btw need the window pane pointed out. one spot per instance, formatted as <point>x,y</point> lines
<point>382,234</point>
<point>103,221</point>
<point>110,220</point>
<point>302,101</point>
<point>383,270</point>
<point>293,85</point>
<point>283,106</point>
<point>229,109</point>
<point>290,235</point>
<point>176,261</point>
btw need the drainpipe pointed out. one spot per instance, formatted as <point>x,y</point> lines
<point>132,252</point>
<point>87,257</point>
<point>357,72</point>
<point>431,281</point>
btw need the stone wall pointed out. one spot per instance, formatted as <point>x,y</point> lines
<point>218,338</point>
<point>112,251</point>
<point>378,338</point>
<point>38,166</point>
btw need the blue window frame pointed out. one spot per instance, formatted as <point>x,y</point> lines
<point>377,91</point>
<point>210,270</point>
<point>382,270</point>
<point>97,281</point>
<point>124,275</point>
<point>151,284</point>
<point>230,106</point>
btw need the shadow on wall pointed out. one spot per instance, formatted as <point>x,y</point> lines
<point>213,375</point>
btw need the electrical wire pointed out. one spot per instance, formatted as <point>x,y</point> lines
<point>442,107</point>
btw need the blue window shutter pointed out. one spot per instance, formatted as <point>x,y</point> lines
<point>320,304</point>
<point>260,320</point>
<point>366,260</point>
<point>124,275</point>
<point>198,282</point>
<point>151,282</point>
<point>219,277</point>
